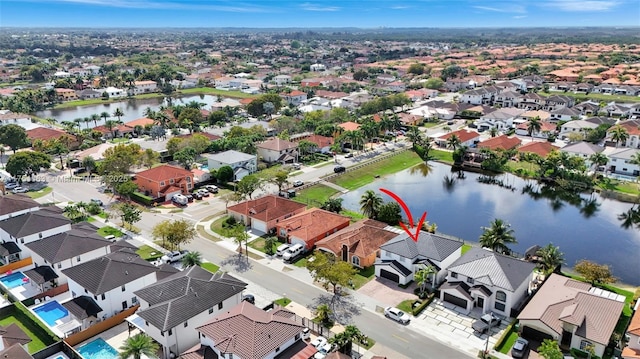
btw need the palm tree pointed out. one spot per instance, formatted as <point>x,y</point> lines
<point>77,122</point>
<point>422,277</point>
<point>619,134</point>
<point>138,345</point>
<point>105,115</point>
<point>370,202</point>
<point>493,132</point>
<point>453,142</point>
<point>598,159</point>
<point>149,112</point>
<point>192,259</point>
<point>95,118</point>
<point>110,125</point>
<point>323,313</point>
<point>118,113</point>
<point>550,258</point>
<point>497,236</point>
<point>269,243</point>
<point>415,136</point>
<point>86,121</point>
<point>534,125</point>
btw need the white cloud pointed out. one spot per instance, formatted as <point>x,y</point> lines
<point>315,7</point>
<point>168,5</point>
<point>400,7</point>
<point>583,5</point>
<point>520,16</point>
<point>510,8</point>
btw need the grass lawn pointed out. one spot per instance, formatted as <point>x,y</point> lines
<point>37,194</point>
<point>283,302</point>
<point>526,167</point>
<point>212,91</point>
<point>365,175</point>
<point>109,231</point>
<point>363,276</point>
<point>103,215</point>
<point>466,247</point>
<point>593,96</point>
<point>258,244</point>
<point>269,173</point>
<point>508,342</point>
<point>405,306</point>
<point>444,156</point>
<point>216,226</point>
<point>315,196</point>
<point>355,215</point>
<point>210,267</point>
<point>430,124</point>
<point>31,328</point>
<point>370,342</point>
<point>302,262</point>
<point>204,234</point>
<point>148,253</point>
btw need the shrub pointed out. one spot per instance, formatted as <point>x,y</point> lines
<point>416,310</point>
<point>229,222</point>
<point>141,198</point>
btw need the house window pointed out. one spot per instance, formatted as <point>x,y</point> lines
<point>277,349</point>
<point>40,235</point>
<point>78,259</point>
<point>454,275</point>
<point>355,260</point>
<point>123,289</point>
<point>188,179</point>
<point>162,183</point>
<point>470,280</point>
<point>186,324</point>
<point>59,265</point>
<point>22,240</point>
<point>501,297</point>
<point>134,300</point>
<point>170,332</point>
<point>86,291</point>
<point>73,294</point>
<point>171,181</point>
<point>210,310</point>
<point>162,333</point>
<point>297,336</point>
<point>104,296</point>
<point>585,344</point>
<point>146,324</point>
<point>220,306</point>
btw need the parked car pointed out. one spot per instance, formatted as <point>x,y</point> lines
<point>486,321</point>
<point>10,185</point>
<point>203,192</point>
<point>349,155</point>
<point>80,170</point>
<point>338,169</point>
<point>249,298</point>
<point>180,199</point>
<point>397,315</point>
<point>306,333</point>
<point>292,252</point>
<point>281,249</point>
<point>296,166</point>
<point>173,256</point>
<point>197,195</point>
<point>97,201</point>
<point>319,342</point>
<point>20,190</point>
<point>297,183</point>
<point>211,188</point>
<point>189,197</point>
<point>520,348</point>
<point>323,351</point>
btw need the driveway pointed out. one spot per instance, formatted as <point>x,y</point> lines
<point>387,291</point>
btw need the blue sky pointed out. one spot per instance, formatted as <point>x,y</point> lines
<point>318,13</point>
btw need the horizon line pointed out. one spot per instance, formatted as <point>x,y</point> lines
<point>4,28</point>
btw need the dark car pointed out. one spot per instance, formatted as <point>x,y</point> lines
<point>97,201</point>
<point>80,170</point>
<point>486,322</point>
<point>338,169</point>
<point>520,348</point>
<point>197,195</point>
<point>189,197</point>
<point>249,298</point>
<point>349,155</point>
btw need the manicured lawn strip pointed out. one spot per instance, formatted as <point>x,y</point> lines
<point>268,174</point>
<point>204,234</point>
<point>109,231</point>
<point>507,339</point>
<point>368,345</point>
<point>302,262</point>
<point>283,302</point>
<point>148,253</point>
<point>355,215</point>
<point>258,244</point>
<point>363,276</point>
<point>103,215</point>
<point>465,248</point>
<point>40,337</point>
<point>528,167</point>
<point>212,91</point>
<point>216,226</point>
<point>210,267</point>
<point>431,124</point>
<point>315,196</point>
<point>405,305</point>
<point>366,174</point>
<point>443,156</point>
<point>37,194</point>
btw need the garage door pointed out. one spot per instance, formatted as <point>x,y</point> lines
<point>259,226</point>
<point>455,300</point>
<point>389,275</point>
<point>534,334</point>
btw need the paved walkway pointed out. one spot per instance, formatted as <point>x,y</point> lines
<point>334,186</point>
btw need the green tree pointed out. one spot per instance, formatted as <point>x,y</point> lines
<point>549,349</point>
<point>179,232</point>
<point>550,258</point>
<point>248,184</point>
<point>497,236</point>
<point>27,163</point>
<point>191,259</point>
<point>57,148</point>
<point>330,272</point>
<point>14,136</point>
<point>423,276</point>
<point>126,189</point>
<point>138,345</point>
<point>534,125</point>
<point>90,164</point>
<point>120,158</point>
<point>323,314</point>
<point>128,213</point>
<point>619,134</point>
<point>280,179</point>
<point>370,203</point>
<point>390,213</point>
<point>598,159</point>
<point>149,157</point>
<point>224,174</point>
<point>416,69</point>
<point>240,236</point>
<point>161,231</point>
<point>118,113</point>
<point>76,212</point>
<point>269,243</point>
<point>594,272</point>
<point>434,83</point>
<point>332,205</point>
<point>186,157</point>
<point>174,145</point>
<point>453,142</point>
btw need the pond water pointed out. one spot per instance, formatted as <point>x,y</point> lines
<point>582,229</point>
<point>132,108</point>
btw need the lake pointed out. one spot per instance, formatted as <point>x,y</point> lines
<point>132,108</point>
<point>468,205</point>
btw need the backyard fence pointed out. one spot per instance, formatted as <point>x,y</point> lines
<point>16,265</point>
<point>97,328</point>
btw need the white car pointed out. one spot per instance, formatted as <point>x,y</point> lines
<point>397,315</point>
<point>173,256</point>
<point>319,342</point>
<point>323,351</point>
<point>297,183</point>
<point>10,185</point>
<point>20,190</point>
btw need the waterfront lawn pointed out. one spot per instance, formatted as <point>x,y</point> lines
<point>465,248</point>
<point>315,195</point>
<point>524,168</point>
<point>442,156</point>
<point>367,174</point>
<point>355,215</point>
<point>212,91</point>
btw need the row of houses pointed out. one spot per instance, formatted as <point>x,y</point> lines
<point>137,88</point>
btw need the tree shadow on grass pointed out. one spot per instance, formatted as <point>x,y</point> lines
<point>343,306</point>
<point>239,263</point>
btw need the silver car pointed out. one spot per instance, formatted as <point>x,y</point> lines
<point>397,315</point>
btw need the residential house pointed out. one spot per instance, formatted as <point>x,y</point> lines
<point>264,213</point>
<point>310,226</point>
<point>580,127</point>
<point>323,143</point>
<point>294,97</point>
<point>632,350</point>
<point>487,280</point>
<point>588,108</point>
<point>173,308</point>
<point>49,134</point>
<point>501,119</point>
<point>23,120</point>
<point>358,244</point>
<point>164,181</point>
<point>480,96</point>
<point>564,114</point>
<point>540,148</point>
<point>13,342</point>
<point>621,161</point>
<point>200,176</point>
<point>141,87</point>
<point>281,80</point>
<point>633,130</point>
<point>573,313</point>
<point>531,102</point>
<point>401,257</point>
<point>395,86</point>
<point>419,114</point>
<point>241,163</point>
<point>87,94</point>
<point>615,110</point>
<point>546,129</point>
<point>248,332</point>
<point>84,310</point>
<point>502,142</point>
<point>16,205</point>
<point>466,137</point>
<point>111,280</point>
<point>33,226</point>
<point>113,92</point>
<point>278,150</point>
<point>66,94</point>
<point>583,150</point>
<point>349,126</point>
<point>507,99</point>
<point>67,249</point>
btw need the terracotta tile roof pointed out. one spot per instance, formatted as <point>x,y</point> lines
<point>544,126</point>
<point>632,126</point>
<point>321,141</point>
<point>561,299</point>
<point>463,134</point>
<point>164,172</point>
<point>331,94</point>
<point>277,144</point>
<point>44,133</point>
<point>362,238</point>
<point>541,148</point>
<point>312,223</point>
<point>140,122</point>
<point>267,208</point>
<point>296,93</point>
<point>249,332</point>
<point>628,352</point>
<point>245,101</point>
<point>349,126</point>
<point>501,142</point>
<point>634,326</point>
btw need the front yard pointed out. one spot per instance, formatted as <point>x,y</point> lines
<point>109,231</point>
<point>259,244</point>
<point>363,276</point>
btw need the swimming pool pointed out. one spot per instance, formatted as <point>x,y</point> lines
<point>14,280</point>
<point>98,349</point>
<point>51,311</point>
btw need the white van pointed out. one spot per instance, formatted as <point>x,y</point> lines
<point>180,199</point>
<point>281,249</point>
<point>293,252</point>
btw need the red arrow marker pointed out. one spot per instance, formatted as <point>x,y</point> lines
<point>405,208</point>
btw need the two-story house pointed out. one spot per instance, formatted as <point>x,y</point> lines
<point>264,213</point>
<point>632,350</point>
<point>501,119</point>
<point>171,309</point>
<point>633,130</point>
<point>621,161</point>
<point>480,96</point>
<point>248,332</point>
<point>580,127</point>
<point>141,87</point>
<point>401,257</point>
<point>164,181</point>
<point>467,138</point>
<point>583,150</point>
<point>310,226</point>
<point>574,313</point>
<point>16,205</point>
<point>487,280</point>
<point>278,150</point>
<point>242,163</point>
<point>33,226</point>
<point>294,98</point>
<point>564,114</point>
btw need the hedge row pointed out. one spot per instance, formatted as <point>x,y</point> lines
<point>141,198</point>
<point>417,310</point>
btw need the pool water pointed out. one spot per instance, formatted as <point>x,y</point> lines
<point>98,349</point>
<point>13,280</point>
<point>50,312</point>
